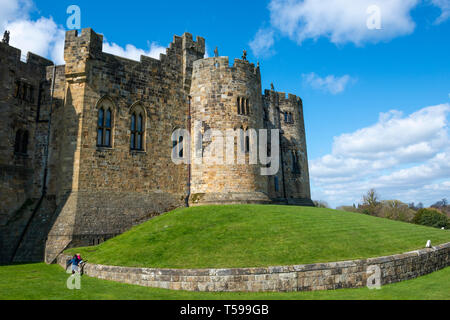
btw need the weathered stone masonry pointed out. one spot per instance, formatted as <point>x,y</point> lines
<point>79,187</point>
<point>321,276</point>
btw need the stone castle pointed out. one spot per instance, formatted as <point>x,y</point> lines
<point>86,148</point>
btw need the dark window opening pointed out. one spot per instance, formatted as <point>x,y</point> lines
<point>295,163</point>
<point>21,142</point>
<point>288,117</point>
<point>23,91</point>
<point>180,146</point>
<point>243,106</point>
<point>247,144</point>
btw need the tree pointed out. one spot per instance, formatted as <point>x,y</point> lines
<point>396,210</point>
<point>370,204</point>
<point>440,204</point>
<point>371,198</point>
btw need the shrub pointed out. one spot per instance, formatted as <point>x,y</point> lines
<point>432,218</point>
<point>396,210</point>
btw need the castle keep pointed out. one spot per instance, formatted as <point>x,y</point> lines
<point>86,148</point>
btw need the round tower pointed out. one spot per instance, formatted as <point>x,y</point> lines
<point>226,99</point>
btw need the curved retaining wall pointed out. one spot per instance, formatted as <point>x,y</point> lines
<point>322,276</point>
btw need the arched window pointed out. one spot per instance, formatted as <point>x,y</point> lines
<point>247,107</point>
<point>239,105</point>
<point>286,117</point>
<point>21,142</point>
<point>137,131</point>
<point>105,124</point>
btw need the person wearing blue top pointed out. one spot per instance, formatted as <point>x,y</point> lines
<point>76,261</point>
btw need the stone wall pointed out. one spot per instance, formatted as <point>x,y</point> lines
<point>103,191</point>
<point>21,138</point>
<point>322,276</point>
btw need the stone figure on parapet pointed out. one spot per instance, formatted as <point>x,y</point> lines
<point>244,56</point>
<point>216,52</point>
<point>272,87</point>
<point>6,37</point>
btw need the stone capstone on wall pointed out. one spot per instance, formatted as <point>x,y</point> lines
<point>321,276</point>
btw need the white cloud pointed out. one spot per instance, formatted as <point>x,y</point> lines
<point>45,38</point>
<point>263,42</point>
<point>341,21</point>
<point>444,5</point>
<point>403,157</point>
<point>42,37</point>
<point>13,10</point>
<point>331,83</point>
<point>133,53</point>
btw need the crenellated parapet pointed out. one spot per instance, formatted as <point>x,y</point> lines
<point>79,50</point>
<point>240,68</point>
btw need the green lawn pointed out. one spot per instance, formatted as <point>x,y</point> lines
<point>43,282</point>
<point>258,236</point>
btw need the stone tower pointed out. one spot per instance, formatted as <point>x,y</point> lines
<point>226,98</point>
<point>286,112</point>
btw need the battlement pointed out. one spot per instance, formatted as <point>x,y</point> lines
<point>15,55</point>
<point>88,39</point>
<point>186,42</point>
<point>282,97</point>
<point>222,63</point>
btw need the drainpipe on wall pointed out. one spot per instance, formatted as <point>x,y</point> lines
<point>47,147</point>
<point>281,153</point>
<point>189,129</point>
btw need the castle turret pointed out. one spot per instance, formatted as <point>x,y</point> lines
<point>226,98</point>
<point>286,113</point>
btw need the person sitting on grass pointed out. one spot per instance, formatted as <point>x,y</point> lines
<point>76,261</point>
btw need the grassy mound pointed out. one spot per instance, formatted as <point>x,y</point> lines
<point>257,236</point>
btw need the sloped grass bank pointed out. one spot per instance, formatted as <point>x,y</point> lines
<point>244,236</point>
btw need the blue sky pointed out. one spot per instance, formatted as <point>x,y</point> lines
<point>350,78</point>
